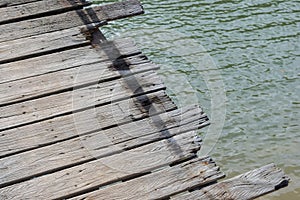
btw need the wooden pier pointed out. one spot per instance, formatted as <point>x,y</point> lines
<point>86,118</point>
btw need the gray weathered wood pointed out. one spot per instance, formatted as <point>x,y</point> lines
<point>243,187</point>
<point>77,124</point>
<point>190,118</point>
<point>161,184</point>
<point>36,45</point>
<point>98,144</point>
<point>37,9</point>
<point>29,88</point>
<point>70,19</point>
<point>66,59</point>
<point>103,171</point>
<point>87,97</point>
<point>6,3</point>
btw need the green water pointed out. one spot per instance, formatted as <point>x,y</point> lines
<point>254,61</point>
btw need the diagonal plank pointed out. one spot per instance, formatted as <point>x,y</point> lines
<point>7,3</point>
<point>66,59</point>
<point>190,118</point>
<point>77,124</point>
<point>39,8</point>
<point>31,88</point>
<point>161,184</point>
<point>99,144</point>
<point>47,43</point>
<point>19,49</point>
<point>70,19</point>
<point>102,93</point>
<point>243,187</point>
<point>90,176</point>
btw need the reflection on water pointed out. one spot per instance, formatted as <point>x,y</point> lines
<point>255,45</point>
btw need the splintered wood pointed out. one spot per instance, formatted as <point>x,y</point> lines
<point>86,118</point>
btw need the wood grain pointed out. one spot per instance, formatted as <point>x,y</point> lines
<point>78,114</point>
<point>70,19</point>
<point>99,144</point>
<point>66,59</point>
<point>101,93</point>
<point>77,124</point>
<point>76,180</point>
<point>243,187</point>
<point>37,9</point>
<point>161,184</point>
<point>42,44</point>
<point>6,3</point>
<point>67,79</point>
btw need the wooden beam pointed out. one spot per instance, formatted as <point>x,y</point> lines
<point>7,3</point>
<point>77,124</point>
<point>37,9</point>
<point>161,184</point>
<point>246,186</point>
<point>99,144</point>
<point>19,49</point>
<point>92,175</point>
<point>69,78</point>
<point>70,19</point>
<point>95,94</point>
<point>109,50</point>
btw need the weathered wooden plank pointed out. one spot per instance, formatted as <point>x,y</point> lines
<point>161,184</point>
<point>6,3</point>
<point>70,19</point>
<point>30,88</point>
<point>243,187</point>
<point>42,44</point>
<point>38,8</point>
<point>82,98</point>
<point>77,180</point>
<point>78,124</point>
<point>191,118</point>
<point>66,59</point>
<point>99,144</point>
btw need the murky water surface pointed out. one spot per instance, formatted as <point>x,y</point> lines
<point>254,46</point>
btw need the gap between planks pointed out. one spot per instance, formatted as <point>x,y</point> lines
<point>36,9</point>
<point>99,118</point>
<point>101,143</point>
<point>99,94</point>
<point>103,171</point>
<point>68,59</point>
<point>70,19</point>
<point>250,185</point>
<point>161,184</point>
<point>7,3</point>
<point>48,43</point>
<point>99,69</point>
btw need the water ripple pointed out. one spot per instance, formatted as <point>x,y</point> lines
<point>255,44</point>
